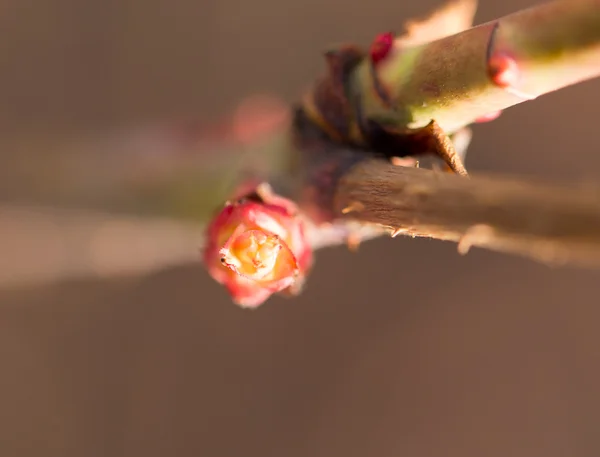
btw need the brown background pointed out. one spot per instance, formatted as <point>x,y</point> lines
<point>403,349</point>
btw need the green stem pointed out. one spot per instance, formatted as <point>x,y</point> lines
<point>554,45</point>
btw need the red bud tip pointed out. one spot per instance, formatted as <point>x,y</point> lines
<point>381,47</point>
<point>503,70</point>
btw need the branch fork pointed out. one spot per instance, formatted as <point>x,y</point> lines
<point>358,134</point>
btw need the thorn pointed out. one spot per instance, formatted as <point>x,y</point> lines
<point>398,231</point>
<point>404,162</point>
<point>476,234</point>
<point>354,206</point>
<point>444,148</point>
<point>489,117</point>
<point>353,241</point>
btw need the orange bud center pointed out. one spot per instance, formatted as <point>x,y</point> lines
<point>253,254</point>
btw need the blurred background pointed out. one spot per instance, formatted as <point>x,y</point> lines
<point>404,348</point>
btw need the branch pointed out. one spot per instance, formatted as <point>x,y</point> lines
<point>458,79</point>
<point>44,245</point>
<point>551,223</point>
<point>179,169</point>
<point>424,75</point>
<point>185,172</point>
<point>455,80</point>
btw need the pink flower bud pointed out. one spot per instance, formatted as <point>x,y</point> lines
<point>257,248</point>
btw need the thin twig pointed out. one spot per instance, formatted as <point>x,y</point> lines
<point>178,170</point>
<point>44,245</point>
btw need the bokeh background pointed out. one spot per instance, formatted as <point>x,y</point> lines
<point>402,349</point>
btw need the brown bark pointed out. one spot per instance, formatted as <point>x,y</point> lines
<point>551,223</point>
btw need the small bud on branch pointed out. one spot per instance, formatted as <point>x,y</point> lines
<point>256,246</point>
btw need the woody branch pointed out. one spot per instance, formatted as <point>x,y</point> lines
<point>502,63</point>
